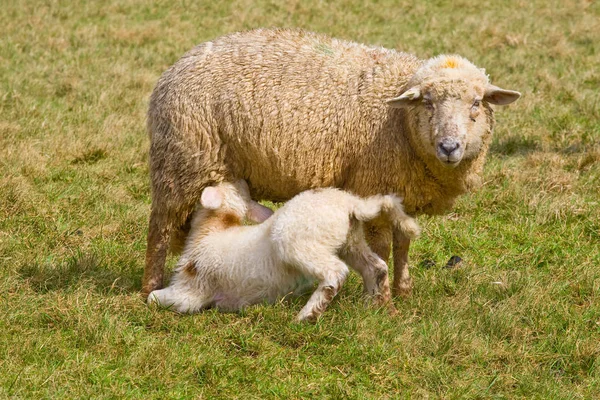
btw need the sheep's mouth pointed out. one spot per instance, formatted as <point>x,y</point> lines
<point>449,160</point>
<point>451,163</point>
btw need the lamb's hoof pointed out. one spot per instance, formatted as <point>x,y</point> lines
<point>427,263</point>
<point>161,298</point>
<point>152,299</point>
<point>383,302</point>
<point>392,311</point>
<point>310,318</point>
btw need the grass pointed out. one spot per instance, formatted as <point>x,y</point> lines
<point>519,318</point>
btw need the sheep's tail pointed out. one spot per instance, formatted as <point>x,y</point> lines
<point>390,205</point>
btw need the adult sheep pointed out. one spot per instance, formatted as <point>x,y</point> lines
<point>289,110</point>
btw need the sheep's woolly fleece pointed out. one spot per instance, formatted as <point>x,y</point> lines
<point>291,110</point>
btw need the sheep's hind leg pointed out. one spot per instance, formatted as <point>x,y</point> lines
<point>331,274</point>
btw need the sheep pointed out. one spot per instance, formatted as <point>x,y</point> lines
<point>290,110</point>
<point>229,266</point>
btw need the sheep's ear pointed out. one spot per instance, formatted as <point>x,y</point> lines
<point>405,98</point>
<point>495,95</point>
<point>257,212</point>
<point>211,198</point>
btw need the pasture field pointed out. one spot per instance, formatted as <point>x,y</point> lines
<point>519,318</point>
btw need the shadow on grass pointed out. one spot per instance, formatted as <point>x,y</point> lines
<point>82,269</point>
<point>514,145</point>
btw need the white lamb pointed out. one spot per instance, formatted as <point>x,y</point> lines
<point>315,236</point>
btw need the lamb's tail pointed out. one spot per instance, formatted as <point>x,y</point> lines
<point>390,205</point>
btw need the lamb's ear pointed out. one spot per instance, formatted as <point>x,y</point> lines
<point>242,186</point>
<point>211,198</point>
<point>405,98</point>
<point>257,212</point>
<point>495,95</point>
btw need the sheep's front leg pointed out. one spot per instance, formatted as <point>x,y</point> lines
<point>402,285</point>
<point>159,234</point>
<point>331,278</point>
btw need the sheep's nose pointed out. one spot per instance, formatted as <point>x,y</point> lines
<point>448,146</point>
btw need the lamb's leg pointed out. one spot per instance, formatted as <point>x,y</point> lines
<point>402,285</point>
<point>374,272</point>
<point>331,273</point>
<point>159,233</point>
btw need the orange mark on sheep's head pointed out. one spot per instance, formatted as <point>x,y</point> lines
<point>450,62</point>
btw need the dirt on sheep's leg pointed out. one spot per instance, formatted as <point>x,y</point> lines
<point>159,233</point>
<point>402,285</point>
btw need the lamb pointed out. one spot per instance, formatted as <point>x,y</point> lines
<point>229,266</point>
<point>289,110</point>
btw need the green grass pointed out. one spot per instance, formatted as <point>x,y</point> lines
<point>520,317</point>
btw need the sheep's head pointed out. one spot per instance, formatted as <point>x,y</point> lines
<point>449,98</point>
<point>234,199</point>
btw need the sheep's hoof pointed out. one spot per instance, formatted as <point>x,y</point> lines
<point>392,309</point>
<point>404,289</point>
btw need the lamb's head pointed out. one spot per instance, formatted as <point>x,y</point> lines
<point>233,199</point>
<point>447,99</point>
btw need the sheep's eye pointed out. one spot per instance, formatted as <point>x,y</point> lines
<point>428,104</point>
<point>474,110</point>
